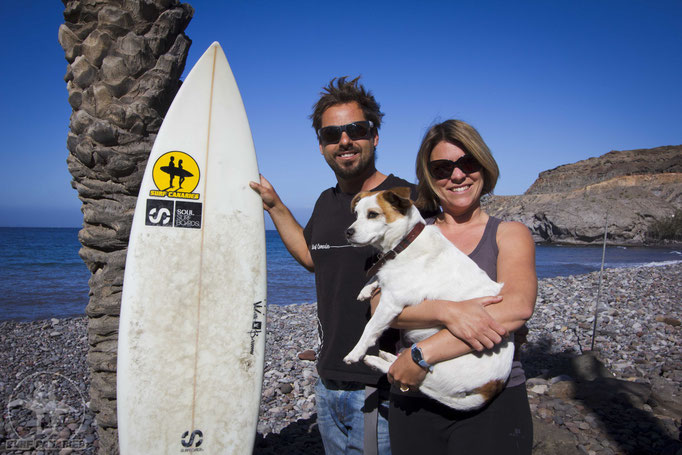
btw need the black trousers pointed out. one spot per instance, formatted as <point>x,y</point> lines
<point>423,425</point>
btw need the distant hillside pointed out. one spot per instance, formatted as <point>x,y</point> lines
<point>568,204</point>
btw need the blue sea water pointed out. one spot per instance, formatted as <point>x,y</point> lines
<point>42,276</point>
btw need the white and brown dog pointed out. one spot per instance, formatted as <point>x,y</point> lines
<point>428,267</point>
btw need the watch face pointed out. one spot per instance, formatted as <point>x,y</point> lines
<point>417,354</point>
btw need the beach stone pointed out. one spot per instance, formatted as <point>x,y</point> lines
<point>672,321</point>
<point>560,378</point>
<point>286,388</point>
<point>540,388</point>
<point>536,381</point>
<point>308,354</point>
<point>550,439</point>
<point>563,389</point>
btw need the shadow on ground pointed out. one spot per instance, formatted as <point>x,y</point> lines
<point>301,437</point>
<point>637,417</point>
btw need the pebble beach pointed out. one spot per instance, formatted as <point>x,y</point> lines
<point>622,397</point>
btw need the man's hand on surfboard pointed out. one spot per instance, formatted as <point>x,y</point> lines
<point>267,193</point>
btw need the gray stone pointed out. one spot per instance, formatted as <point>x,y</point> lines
<point>588,367</point>
<point>550,439</point>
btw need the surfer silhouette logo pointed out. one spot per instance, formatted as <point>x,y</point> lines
<point>171,165</point>
<point>170,169</point>
<point>190,442</point>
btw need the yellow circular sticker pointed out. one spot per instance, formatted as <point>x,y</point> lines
<point>176,172</point>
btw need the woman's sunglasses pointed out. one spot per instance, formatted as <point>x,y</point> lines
<point>355,131</point>
<point>442,169</point>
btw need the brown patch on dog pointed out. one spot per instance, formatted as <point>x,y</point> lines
<point>390,213</point>
<point>359,196</point>
<point>394,203</point>
<point>402,191</point>
<point>490,389</point>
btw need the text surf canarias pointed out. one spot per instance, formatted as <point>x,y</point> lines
<point>176,175</point>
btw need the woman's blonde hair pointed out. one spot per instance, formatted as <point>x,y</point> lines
<point>464,136</point>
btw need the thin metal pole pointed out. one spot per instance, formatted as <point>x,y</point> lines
<point>601,273</point>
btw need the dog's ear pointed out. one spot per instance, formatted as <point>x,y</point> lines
<point>399,198</point>
<point>356,199</point>
<point>402,191</point>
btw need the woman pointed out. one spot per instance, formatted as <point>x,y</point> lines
<point>455,168</point>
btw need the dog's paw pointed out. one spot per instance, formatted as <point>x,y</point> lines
<point>377,363</point>
<point>387,356</point>
<point>353,357</point>
<point>367,291</point>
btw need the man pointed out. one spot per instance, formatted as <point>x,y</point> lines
<point>346,119</point>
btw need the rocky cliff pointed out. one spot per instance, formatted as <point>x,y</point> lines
<point>125,59</point>
<point>569,204</point>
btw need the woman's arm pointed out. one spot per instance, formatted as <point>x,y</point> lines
<point>515,267</point>
<point>467,320</point>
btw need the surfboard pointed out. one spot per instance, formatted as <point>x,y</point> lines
<point>192,326</point>
<point>174,171</point>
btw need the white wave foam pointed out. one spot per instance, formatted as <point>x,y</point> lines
<point>658,264</point>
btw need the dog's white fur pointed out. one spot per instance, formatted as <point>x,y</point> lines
<point>430,268</point>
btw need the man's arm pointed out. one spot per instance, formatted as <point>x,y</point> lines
<point>289,230</point>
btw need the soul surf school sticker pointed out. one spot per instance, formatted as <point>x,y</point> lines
<point>176,175</point>
<point>168,213</point>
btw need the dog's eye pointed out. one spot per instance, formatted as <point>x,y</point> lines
<point>371,215</point>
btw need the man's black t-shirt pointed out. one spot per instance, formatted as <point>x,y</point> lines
<point>340,274</point>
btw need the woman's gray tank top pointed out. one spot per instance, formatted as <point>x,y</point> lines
<point>485,256</point>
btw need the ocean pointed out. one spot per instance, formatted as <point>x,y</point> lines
<point>42,276</point>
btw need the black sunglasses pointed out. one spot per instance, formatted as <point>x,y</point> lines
<point>355,131</point>
<point>442,169</point>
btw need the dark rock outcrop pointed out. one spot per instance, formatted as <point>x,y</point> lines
<point>569,204</point>
<point>125,59</point>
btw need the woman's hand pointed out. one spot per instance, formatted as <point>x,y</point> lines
<point>404,372</point>
<point>470,322</point>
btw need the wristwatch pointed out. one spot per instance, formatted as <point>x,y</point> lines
<point>418,358</point>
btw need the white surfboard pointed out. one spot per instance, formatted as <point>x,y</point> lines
<point>192,328</point>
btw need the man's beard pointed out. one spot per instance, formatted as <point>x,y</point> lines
<point>358,170</point>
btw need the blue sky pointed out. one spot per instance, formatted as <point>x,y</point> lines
<point>545,82</point>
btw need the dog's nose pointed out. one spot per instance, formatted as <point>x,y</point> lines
<point>350,232</point>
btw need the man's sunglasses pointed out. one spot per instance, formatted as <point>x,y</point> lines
<point>442,169</point>
<point>355,131</point>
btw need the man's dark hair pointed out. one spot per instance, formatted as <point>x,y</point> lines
<point>346,92</point>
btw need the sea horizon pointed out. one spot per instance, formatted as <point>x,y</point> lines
<point>42,276</point>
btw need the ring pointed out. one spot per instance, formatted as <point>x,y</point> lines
<point>404,388</point>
